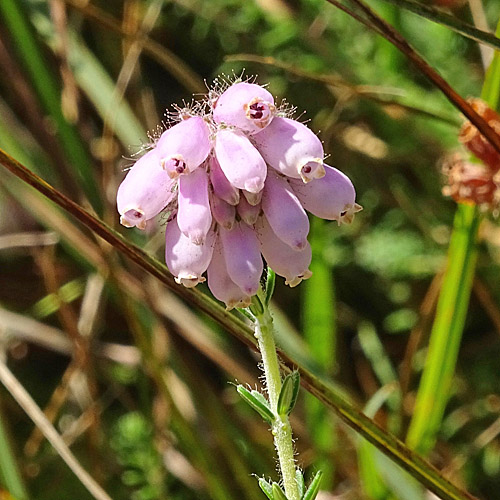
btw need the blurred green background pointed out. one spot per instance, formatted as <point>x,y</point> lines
<point>135,379</point>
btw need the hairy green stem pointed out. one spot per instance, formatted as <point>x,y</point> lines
<point>281,428</point>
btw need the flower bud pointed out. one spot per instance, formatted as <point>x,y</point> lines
<point>223,212</point>
<point>194,215</point>
<point>242,256</point>
<point>184,147</point>
<point>284,211</point>
<point>332,197</point>
<point>145,192</point>
<point>247,212</point>
<point>474,141</point>
<point>185,260</point>
<point>246,106</point>
<point>222,187</point>
<point>471,183</point>
<point>240,161</point>
<point>293,265</point>
<point>291,148</point>
<point>221,285</point>
<point>252,198</point>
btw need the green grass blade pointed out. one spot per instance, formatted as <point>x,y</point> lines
<point>49,94</point>
<point>490,92</point>
<point>446,331</point>
<point>382,367</point>
<point>451,22</point>
<point>10,476</point>
<point>448,326</point>
<point>319,329</point>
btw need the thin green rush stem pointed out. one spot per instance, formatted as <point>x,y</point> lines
<point>10,476</point>
<point>281,428</point>
<point>448,326</point>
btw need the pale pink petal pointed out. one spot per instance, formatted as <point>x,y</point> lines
<point>246,106</point>
<point>145,192</point>
<point>222,187</point>
<point>247,212</point>
<point>332,197</point>
<point>185,146</point>
<point>291,148</point>
<point>221,285</point>
<point>223,212</point>
<point>291,264</point>
<point>185,260</point>
<point>240,161</point>
<point>194,215</point>
<point>284,211</point>
<point>242,255</point>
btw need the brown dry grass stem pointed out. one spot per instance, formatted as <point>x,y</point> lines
<point>383,28</point>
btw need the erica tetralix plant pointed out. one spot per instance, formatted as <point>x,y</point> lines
<point>236,175</point>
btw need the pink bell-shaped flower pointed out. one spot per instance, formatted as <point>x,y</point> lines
<point>221,285</point>
<point>291,148</point>
<point>194,215</point>
<point>246,106</point>
<point>332,197</point>
<point>186,260</point>
<point>240,161</point>
<point>284,211</point>
<point>242,256</point>
<point>248,213</point>
<point>291,264</point>
<point>185,146</point>
<point>223,212</point>
<point>221,186</point>
<point>145,192</point>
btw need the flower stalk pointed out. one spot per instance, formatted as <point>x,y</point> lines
<point>281,428</point>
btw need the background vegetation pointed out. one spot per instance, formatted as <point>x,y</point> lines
<point>134,378</point>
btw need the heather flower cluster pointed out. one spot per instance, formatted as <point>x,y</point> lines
<point>476,183</point>
<point>236,176</point>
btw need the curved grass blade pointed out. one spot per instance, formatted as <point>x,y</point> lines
<point>10,477</point>
<point>451,22</point>
<point>47,90</point>
<point>417,466</point>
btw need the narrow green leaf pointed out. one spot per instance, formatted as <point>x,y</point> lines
<point>266,488</point>
<point>383,369</point>
<point>256,306</point>
<point>289,393</point>
<point>299,477</point>
<point>446,332</point>
<point>270,282</point>
<point>278,493</point>
<point>451,22</point>
<point>10,475</point>
<point>490,91</point>
<point>259,404</point>
<point>313,489</point>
